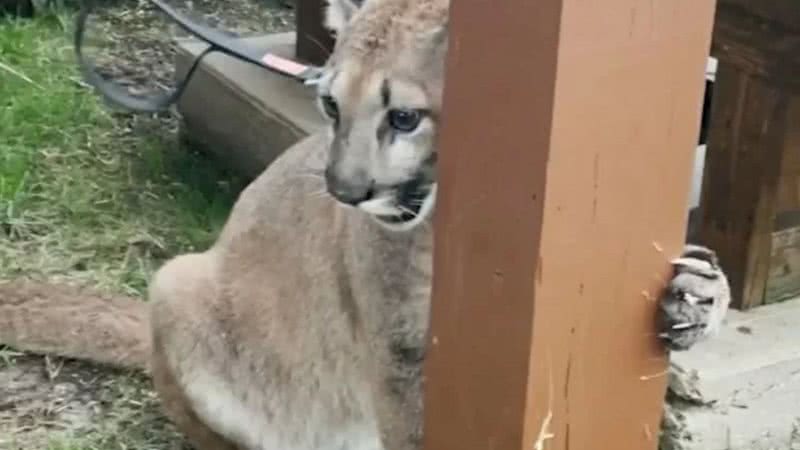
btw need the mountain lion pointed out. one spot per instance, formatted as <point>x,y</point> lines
<point>304,326</point>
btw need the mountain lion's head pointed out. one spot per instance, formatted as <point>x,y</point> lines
<point>381,93</point>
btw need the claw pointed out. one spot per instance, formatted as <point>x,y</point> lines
<point>706,301</point>
<point>683,326</point>
<point>692,262</point>
<point>696,266</point>
<point>690,298</point>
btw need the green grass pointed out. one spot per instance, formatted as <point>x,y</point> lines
<point>83,194</point>
<point>94,197</point>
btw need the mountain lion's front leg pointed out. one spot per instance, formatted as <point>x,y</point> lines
<point>695,300</point>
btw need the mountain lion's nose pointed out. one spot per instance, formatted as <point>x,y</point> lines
<point>349,191</point>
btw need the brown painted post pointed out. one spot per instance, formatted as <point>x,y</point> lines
<point>565,162</point>
<point>750,205</point>
<point>314,42</point>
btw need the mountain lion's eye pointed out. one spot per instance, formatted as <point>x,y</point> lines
<point>404,120</point>
<point>330,106</point>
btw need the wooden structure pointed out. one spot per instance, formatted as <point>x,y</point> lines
<point>750,204</point>
<point>565,161</point>
<point>554,225</point>
<point>314,42</point>
<point>265,113</point>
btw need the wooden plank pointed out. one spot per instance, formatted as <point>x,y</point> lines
<point>784,12</point>
<point>553,204</point>
<point>740,180</point>
<point>314,42</point>
<point>747,207</point>
<point>243,114</point>
<point>783,280</point>
<point>761,47</point>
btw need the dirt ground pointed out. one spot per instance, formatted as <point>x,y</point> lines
<point>50,403</point>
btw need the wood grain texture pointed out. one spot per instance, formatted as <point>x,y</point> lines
<point>740,179</point>
<point>758,45</point>
<point>565,163</point>
<point>751,171</point>
<point>784,12</point>
<point>314,42</point>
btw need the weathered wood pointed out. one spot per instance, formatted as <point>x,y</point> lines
<point>759,46</point>
<point>314,42</point>
<point>783,281</point>
<point>751,169</point>
<point>784,12</point>
<point>562,197</point>
<point>740,181</point>
<point>243,114</point>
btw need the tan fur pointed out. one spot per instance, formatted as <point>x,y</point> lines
<point>303,327</point>
<point>73,322</point>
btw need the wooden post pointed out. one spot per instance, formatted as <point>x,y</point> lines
<point>314,42</point>
<point>750,205</point>
<point>565,161</point>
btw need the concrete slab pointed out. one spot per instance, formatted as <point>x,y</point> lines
<point>748,381</point>
<point>244,114</point>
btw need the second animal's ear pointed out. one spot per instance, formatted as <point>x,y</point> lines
<point>339,12</point>
<point>440,34</point>
<point>434,42</point>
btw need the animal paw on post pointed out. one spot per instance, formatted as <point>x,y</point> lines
<point>695,301</point>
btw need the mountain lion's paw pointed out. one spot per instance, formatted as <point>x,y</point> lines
<point>695,300</point>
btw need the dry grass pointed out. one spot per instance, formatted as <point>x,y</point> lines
<point>66,405</point>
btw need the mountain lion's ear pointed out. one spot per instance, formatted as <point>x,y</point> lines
<point>439,36</point>
<point>435,41</point>
<point>339,12</point>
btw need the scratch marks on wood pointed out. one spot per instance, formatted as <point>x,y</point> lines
<point>653,376</point>
<point>544,432</point>
<point>567,378</point>
<point>539,270</point>
<point>658,247</point>
<point>596,178</point>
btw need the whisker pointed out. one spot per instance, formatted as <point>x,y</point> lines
<point>310,174</point>
<point>407,211</point>
<point>319,193</point>
<point>316,176</point>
